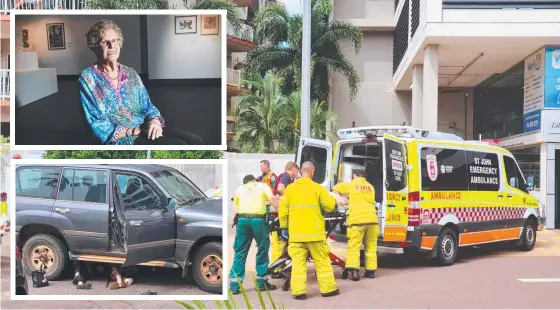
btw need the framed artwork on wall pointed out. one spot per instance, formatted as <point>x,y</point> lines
<point>185,24</point>
<point>55,36</point>
<point>210,24</point>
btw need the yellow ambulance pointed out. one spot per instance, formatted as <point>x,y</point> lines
<point>435,192</point>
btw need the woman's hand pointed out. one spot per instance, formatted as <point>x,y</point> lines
<point>154,129</point>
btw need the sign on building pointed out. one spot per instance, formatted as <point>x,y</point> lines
<point>533,91</point>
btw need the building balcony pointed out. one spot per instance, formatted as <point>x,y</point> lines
<point>241,40</point>
<point>471,37</point>
<point>230,129</point>
<point>4,84</point>
<point>234,87</point>
<point>244,3</point>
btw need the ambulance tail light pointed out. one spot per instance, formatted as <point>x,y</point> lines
<point>404,244</point>
<point>414,209</point>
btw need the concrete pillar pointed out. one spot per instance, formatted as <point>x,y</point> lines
<point>548,181</point>
<point>417,95</point>
<point>430,88</point>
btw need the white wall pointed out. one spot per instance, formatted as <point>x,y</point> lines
<point>378,103</point>
<point>77,56</point>
<point>181,56</point>
<point>242,164</point>
<point>5,29</point>
<point>451,108</point>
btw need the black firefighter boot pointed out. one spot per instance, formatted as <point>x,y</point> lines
<point>344,274</point>
<point>266,286</point>
<point>370,274</point>
<point>355,275</point>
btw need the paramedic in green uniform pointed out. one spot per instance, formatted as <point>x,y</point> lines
<point>250,202</point>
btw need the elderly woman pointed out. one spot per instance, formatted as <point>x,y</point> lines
<point>115,101</point>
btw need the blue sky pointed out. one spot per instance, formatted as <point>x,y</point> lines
<point>292,6</point>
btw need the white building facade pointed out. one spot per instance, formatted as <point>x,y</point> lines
<point>461,67</point>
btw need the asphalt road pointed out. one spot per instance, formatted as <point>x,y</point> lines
<point>483,278</point>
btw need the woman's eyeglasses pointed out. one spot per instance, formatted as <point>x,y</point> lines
<point>113,42</point>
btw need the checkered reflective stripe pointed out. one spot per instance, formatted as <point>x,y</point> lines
<point>473,214</point>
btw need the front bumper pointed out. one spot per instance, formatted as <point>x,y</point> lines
<point>542,223</point>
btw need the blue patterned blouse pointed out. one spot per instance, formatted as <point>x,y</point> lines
<point>109,109</point>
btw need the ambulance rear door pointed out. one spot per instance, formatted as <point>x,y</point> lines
<point>394,220</point>
<point>319,152</point>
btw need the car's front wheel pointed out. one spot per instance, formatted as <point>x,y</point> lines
<point>529,235</point>
<point>47,252</point>
<point>208,267</point>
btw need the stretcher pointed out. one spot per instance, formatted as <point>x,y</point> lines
<point>284,262</point>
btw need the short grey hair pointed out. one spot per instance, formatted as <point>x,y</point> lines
<point>94,33</point>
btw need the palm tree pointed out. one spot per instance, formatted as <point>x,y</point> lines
<point>233,17</point>
<point>268,121</point>
<point>323,121</point>
<point>278,38</point>
<point>258,114</point>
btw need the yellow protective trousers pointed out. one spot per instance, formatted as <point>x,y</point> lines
<point>319,251</point>
<point>278,245</point>
<point>366,234</point>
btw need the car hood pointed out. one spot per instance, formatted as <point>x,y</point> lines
<point>210,209</point>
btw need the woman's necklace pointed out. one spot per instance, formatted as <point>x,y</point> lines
<point>109,75</point>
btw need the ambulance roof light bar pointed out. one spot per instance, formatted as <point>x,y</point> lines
<point>362,132</point>
<point>400,131</point>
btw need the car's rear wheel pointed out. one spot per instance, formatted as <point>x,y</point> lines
<point>447,247</point>
<point>208,267</point>
<point>529,235</point>
<point>46,251</point>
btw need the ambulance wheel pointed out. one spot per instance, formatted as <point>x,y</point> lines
<point>447,247</point>
<point>529,236</point>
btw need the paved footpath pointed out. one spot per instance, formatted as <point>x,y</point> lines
<point>483,278</point>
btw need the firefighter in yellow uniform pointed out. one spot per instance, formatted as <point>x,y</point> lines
<point>303,225</point>
<point>362,224</point>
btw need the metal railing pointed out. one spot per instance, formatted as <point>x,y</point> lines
<point>230,127</point>
<point>4,84</point>
<point>493,4</point>
<point>234,77</point>
<point>245,33</point>
<point>47,4</point>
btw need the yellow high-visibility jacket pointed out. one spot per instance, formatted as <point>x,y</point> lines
<point>3,208</point>
<point>361,201</point>
<point>300,210</point>
<point>251,198</point>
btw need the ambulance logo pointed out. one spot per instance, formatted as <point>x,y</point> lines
<point>426,217</point>
<point>431,165</point>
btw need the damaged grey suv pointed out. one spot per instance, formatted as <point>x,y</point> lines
<point>149,215</point>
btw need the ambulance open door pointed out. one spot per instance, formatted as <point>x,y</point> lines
<point>394,221</point>
<point>319,152</point>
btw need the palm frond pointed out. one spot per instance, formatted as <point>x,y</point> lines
<point>344,67</point>
<point>339,30</point>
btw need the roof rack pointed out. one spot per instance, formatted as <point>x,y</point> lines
<point>399,131</point>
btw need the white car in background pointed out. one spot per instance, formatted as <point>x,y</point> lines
<point>214,193</point>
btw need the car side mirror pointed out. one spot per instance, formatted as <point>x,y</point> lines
<point>172,204</point>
